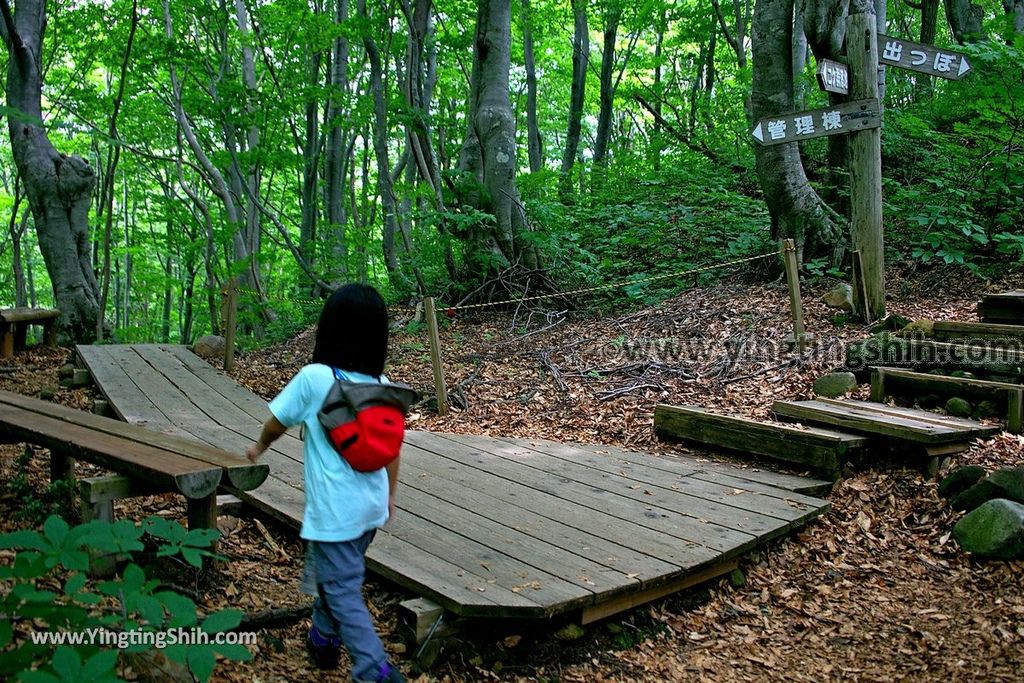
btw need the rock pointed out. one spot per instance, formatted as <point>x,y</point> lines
<point>1010,483</point>
<point>835,384</point>
<point>47,393</point>
<point>929,401</point>
<point>986,409</point>
<point>960,480</point>
<point>957,407</point>
<point>918,328</point>
<point>67,370</point>
<point>737,579</point>
<point>975,495</point>
<point>938,373</point>
<point>570,632</point>
<point>963,374</point>
<point>210,347</point>
<point>840,296</point>
<point>993,531</point>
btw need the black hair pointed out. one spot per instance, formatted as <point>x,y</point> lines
<point>353,330</point>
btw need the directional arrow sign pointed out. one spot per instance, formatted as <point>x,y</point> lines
<point>926,59</point>
<point>848,117</point>
<point>833,77</point>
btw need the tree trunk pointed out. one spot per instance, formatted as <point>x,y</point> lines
<point>489,151</point>
<point>385,186</point>
<point>534,143</point>
<point>336,148</point>
<point>607,95</point>
<point>965,20</point>
<point>58,186</point>
<point>657,144</point>
<point>796,209</point>
<point>580,60</point>
<point>311,174</point>
<point>1016,9</point>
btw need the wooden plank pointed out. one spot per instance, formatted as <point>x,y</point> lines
<point>123,396</point>
<point>970,428</point>
<point>769,499</point>
<point>518,501</point>
<point>607,608</point>
<point>536,587</point>
<point>952,330</point>
<point>701,468</point>
<point>712,500</point>
<point>191,477</point>
<point>1002,308</point>
<point>28,315</point>
<point>438,579</point>
<point>576,569</point>
<point>684,525</point>
<point>667,466</point>
<point>918,354</point>
<point>907,383</point>
<point>824,450</point>
<point>628,553</point>
<point>220,382</point>
<point>239,471</point>
<point>904,429</point>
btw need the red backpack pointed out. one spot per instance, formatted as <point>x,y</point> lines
<point>365,422</point>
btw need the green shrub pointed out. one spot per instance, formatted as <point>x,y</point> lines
<point>49,586</point>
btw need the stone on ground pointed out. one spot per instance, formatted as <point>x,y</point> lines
<point>840,296</point>
<point>986,409</point>
<point>958,407</point>
<point>1006,483</point>
<point>993,531</point>
<point>210,347</point>
<point>960,480</point>
<point>835,384</point>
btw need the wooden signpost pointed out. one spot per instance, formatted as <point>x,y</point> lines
<point>833,77</point>
<point>838,120</point>
<point>926,59</point>
<point>862,119</point>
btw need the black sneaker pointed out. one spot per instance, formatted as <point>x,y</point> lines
<point>325,657</point>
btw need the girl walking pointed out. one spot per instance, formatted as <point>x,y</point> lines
<point>344,507</point>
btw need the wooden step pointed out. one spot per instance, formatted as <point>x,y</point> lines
<point>1004,307</point>
<point>908,425</point>
<point>960,332</point>
<point>887,382</point>
<point>923,355</point>
<point>823,450</point>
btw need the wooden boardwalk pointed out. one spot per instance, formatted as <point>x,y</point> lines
<point>494,527</point>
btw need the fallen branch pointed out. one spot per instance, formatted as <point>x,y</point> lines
<point>616,393</point>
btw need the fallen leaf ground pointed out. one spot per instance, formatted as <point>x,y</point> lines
<point>874,591</point>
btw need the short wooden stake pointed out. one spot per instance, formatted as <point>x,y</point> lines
<point>435,355</point>
<point>860,297</point>
<point>1015,412</point>
<point>795,304</point>
<point>230,322</point>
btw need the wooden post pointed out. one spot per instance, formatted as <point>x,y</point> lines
<point>795,304</point>
<point>435,355</point>
<point>230,322</point>
<point>866,172</point>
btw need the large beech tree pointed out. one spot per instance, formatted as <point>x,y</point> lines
<point>58,186</point>
<point>488,153</point>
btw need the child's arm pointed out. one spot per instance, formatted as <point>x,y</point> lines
<point>392,470</point>
<point>272,430</point>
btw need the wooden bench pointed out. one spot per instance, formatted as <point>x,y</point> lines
<point>145,461</point>
<point>14,323</point>
<point>1002,308</point>
<point>887,382</point>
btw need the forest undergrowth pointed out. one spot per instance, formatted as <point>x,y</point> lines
<point>873,591</point>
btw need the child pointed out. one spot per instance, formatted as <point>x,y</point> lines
<point>344,508</point>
